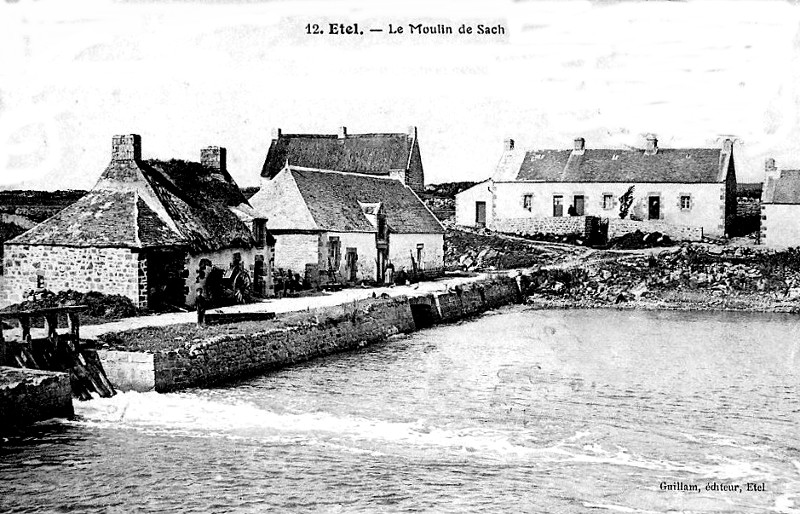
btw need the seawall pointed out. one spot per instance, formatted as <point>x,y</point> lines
<point>227,357</point>
<point>29,395</point>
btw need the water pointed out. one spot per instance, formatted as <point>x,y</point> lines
<point>518,411</point>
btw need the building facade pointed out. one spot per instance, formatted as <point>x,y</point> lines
<point>780,207</point>
<point>153,231</point>
<point>688,187</point>
<point>348,227</point>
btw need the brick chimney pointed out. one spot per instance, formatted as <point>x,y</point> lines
<point>412,132</point>
<point>342,132</point>
<point>508,144</point>
<point>579,144</point>
<point>126,147</point>
<point>652,145</point>
<point>214,157</point>
<point>276,133</point>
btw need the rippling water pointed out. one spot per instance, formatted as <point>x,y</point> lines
<point>518,411</point>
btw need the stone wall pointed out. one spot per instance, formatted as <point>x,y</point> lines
<point>108,270</point>
<point>28,395</point>
<point>226,357</point>
<point>618,227</point>
<point>129,371</point>
<point>341,327</point>
<point>581,225</point>
<point>294,251</point>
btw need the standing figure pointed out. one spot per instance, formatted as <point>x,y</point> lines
<point>200,305</point>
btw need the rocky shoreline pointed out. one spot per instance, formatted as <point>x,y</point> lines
<point>688,277</point>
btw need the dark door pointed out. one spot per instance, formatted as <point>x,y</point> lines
<point>558,206</point>
<point>351,261</point>
<point>654,208</point>
<point>480,214</point>
<point>578,204</point>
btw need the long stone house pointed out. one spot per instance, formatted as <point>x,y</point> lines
<point>150,230</point>
<point>393,155</point>
<point>780,207</point>
<point>352,221</point>
<point>681,187</point>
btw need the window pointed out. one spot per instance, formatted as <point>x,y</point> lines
<point>420,250</point>
<point>527,202</point>
<point>334,253</point>
<point>558,206</point>
<point>686,202</point>
<point>608,201</point>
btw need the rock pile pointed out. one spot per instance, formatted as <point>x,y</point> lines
<point>698,270</point>
<point>471,251</point>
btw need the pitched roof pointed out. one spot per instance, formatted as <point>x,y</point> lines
<point>373,154</point>
<point>141,204</point>
<point>785,190</point>
<point>684,165</point>
<point>333,201</point>
<point>100,218</point>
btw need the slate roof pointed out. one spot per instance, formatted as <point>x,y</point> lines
<point>333,202</point>
<point>685,165</point>
<point>784,190</point>
<point>373,154</point>
<point>121,211</point>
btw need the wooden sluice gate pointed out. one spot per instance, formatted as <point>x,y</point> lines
<point>55,352</point>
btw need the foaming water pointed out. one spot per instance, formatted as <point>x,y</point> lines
<point>532,411</point>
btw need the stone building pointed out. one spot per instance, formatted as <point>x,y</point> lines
<point>394,155</point>
<point>150,230</point>
<point>780,207</point>
<point>690,187</point>
<point>348,226</point>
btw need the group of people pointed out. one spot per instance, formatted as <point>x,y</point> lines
<point>288,282</point>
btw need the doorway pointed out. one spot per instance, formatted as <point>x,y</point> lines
<point>351,262</point>
<point>577,203</point>
<point>654,207</point>
<point>480,214</point>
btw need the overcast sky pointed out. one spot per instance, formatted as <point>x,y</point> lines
<point>190,74</point>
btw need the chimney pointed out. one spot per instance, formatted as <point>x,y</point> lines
<point>342,132</point>
<point>769,165</point>
<point>652,145</point>
<point>412,132</point>
<point>214,157</point>
<point>579,144</point>
<point>276,133</point>
<point>126,147</point>
<point>727,145</point>
<point>509,144</point>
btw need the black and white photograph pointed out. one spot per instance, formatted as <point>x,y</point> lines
<point>350,256</point>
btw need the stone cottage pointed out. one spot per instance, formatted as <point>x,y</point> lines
<point>688,187</point>
<point>346,226</point>
<point>150,230</point>
<point>394,155</point>
<point>780,207</point>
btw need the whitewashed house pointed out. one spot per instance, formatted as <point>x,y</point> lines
<point>692,187</point>
<point>780,207</point>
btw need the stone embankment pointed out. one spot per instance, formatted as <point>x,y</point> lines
<point>218,358</point>
<point>28,395</point>
<point>685,277</point>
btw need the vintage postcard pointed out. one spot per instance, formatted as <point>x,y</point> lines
<point>351,256</point>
